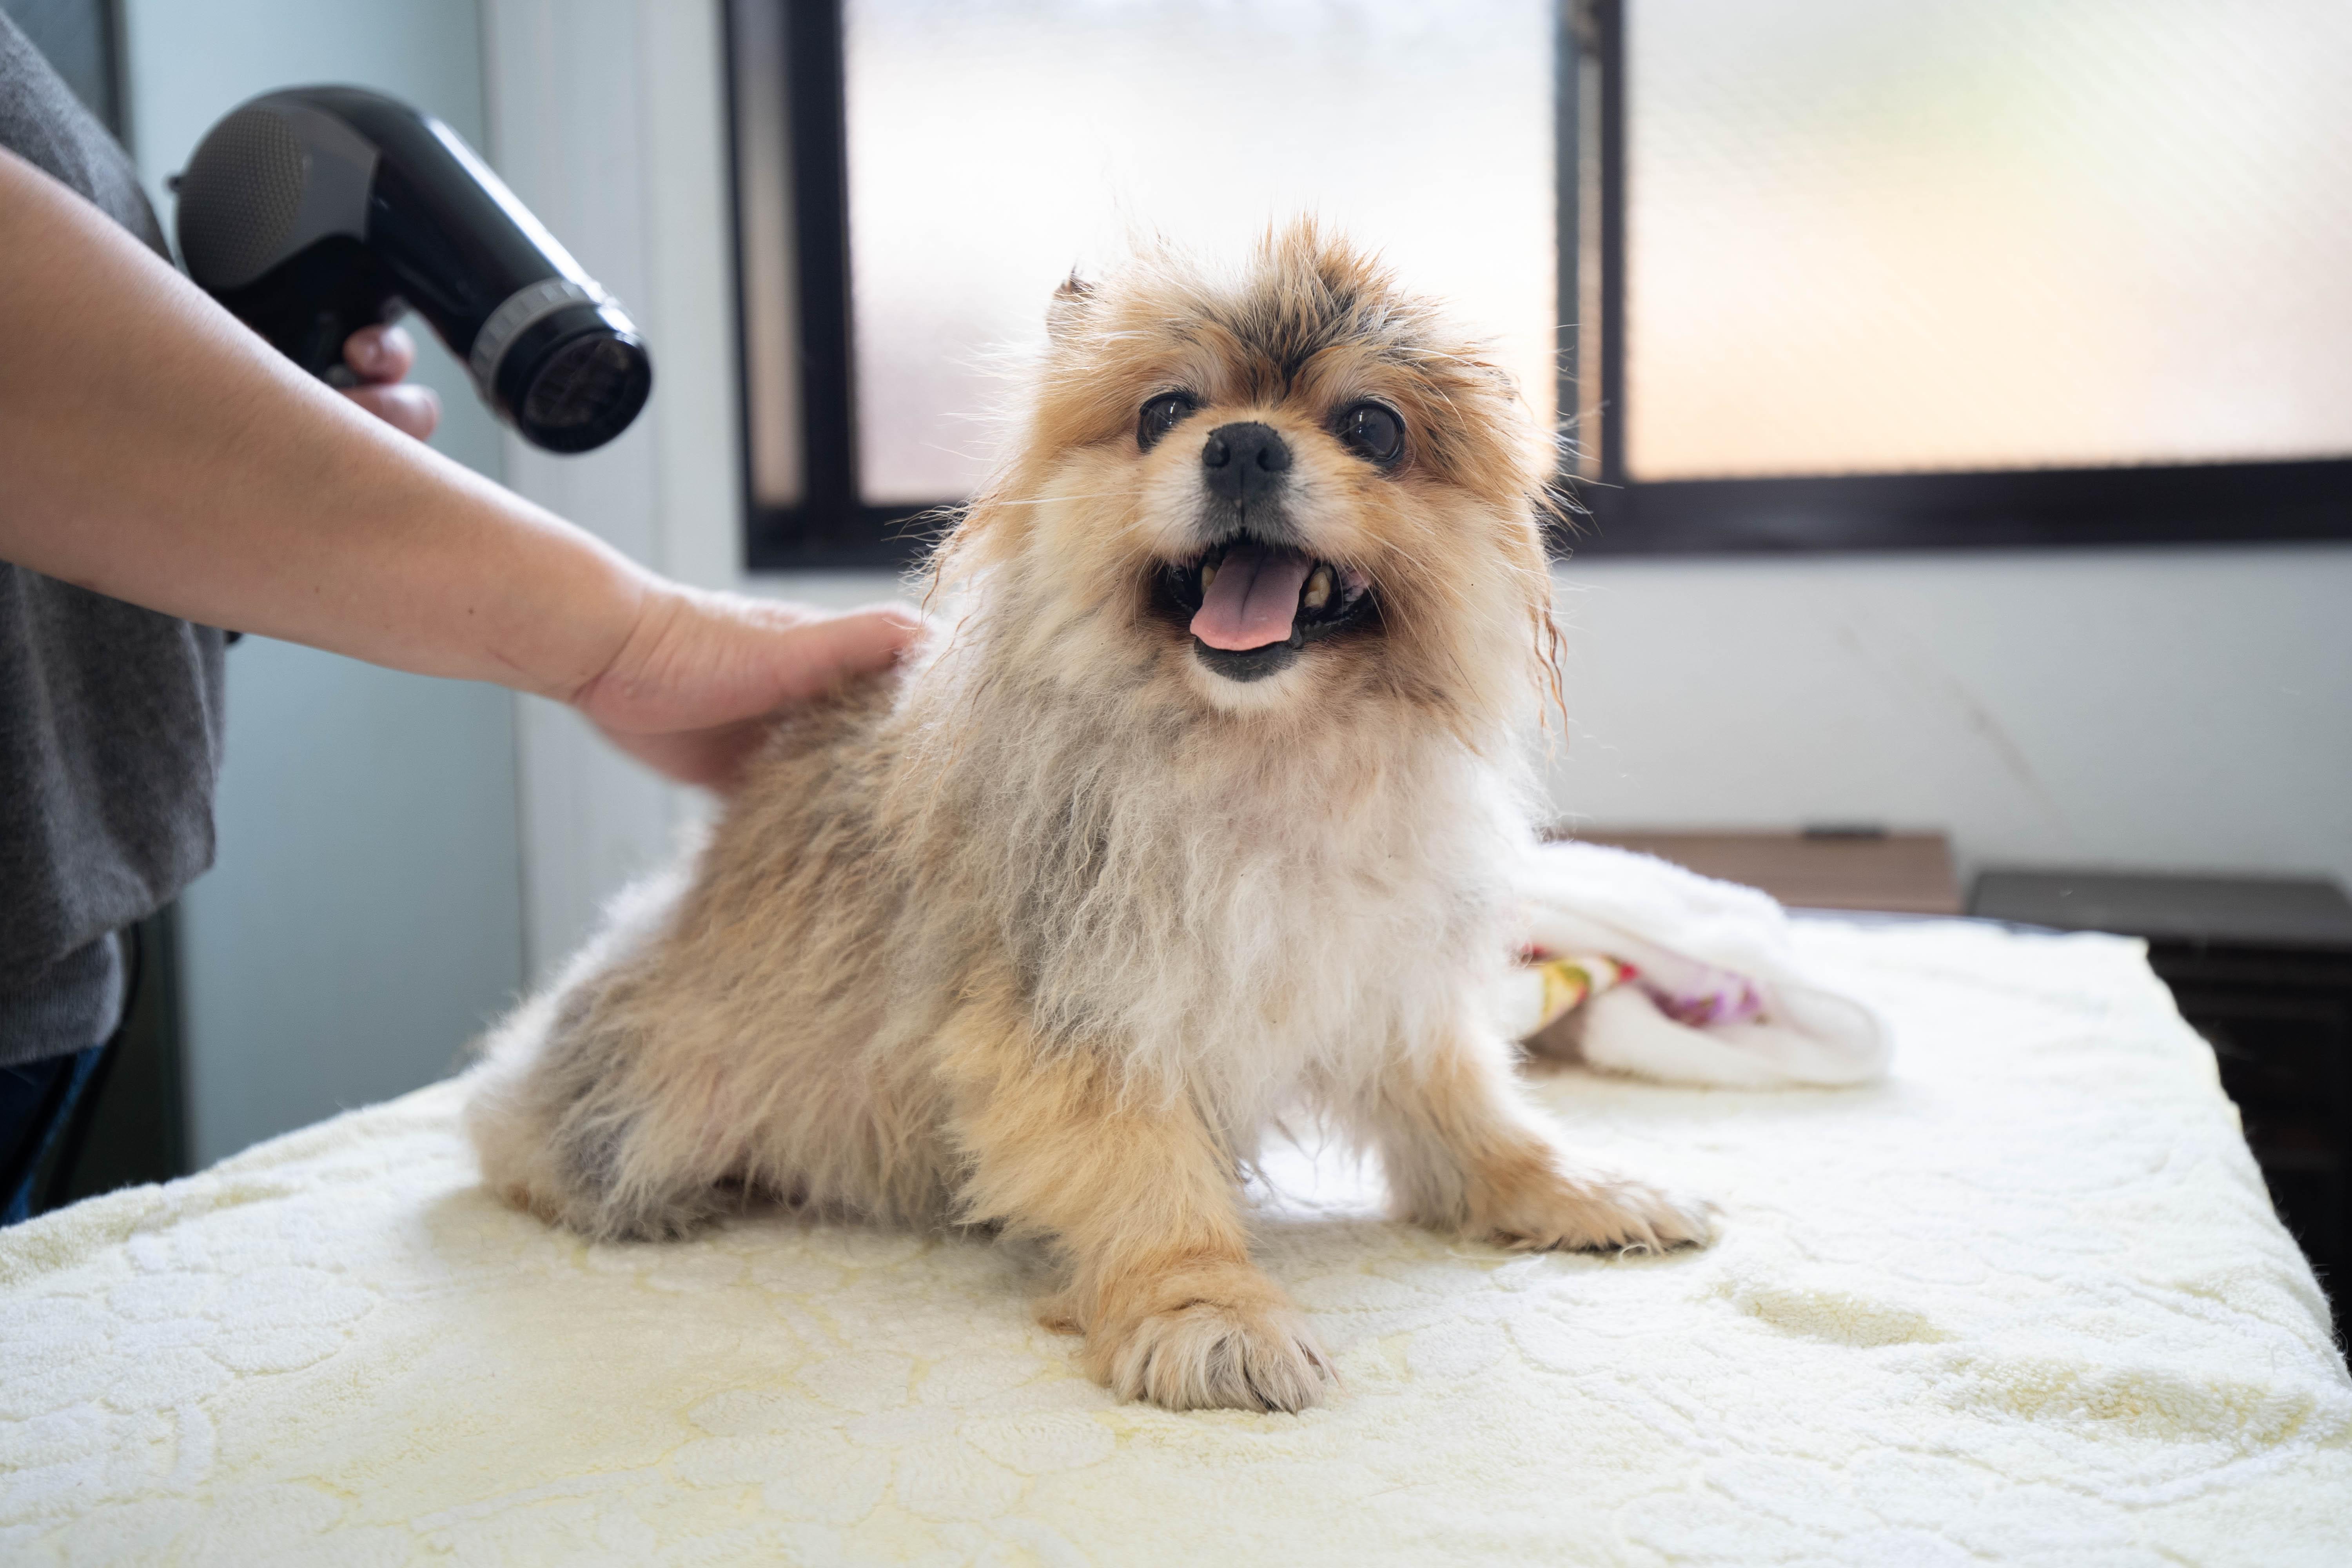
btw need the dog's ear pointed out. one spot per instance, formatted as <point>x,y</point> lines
<point>1069,308</point>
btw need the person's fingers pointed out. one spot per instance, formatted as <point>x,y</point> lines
<point>819,654</point>
<point>693,697</point>
<point>413,410</point>
<point>381,355</point>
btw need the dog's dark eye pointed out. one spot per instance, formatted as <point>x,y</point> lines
<point>1374,432</point>
<point>1161,415</point>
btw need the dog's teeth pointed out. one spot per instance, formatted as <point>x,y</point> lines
<point>1317,591</point>
<point>1208,575</point>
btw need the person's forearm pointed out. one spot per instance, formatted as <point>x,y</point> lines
<point>154,450</point>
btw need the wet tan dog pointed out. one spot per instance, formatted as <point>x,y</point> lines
<point>1203,809</point>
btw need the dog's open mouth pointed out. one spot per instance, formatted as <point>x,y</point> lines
<point>1252,606</point>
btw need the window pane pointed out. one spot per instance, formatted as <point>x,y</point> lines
<point>1986,234</point>
<point>994,143</point>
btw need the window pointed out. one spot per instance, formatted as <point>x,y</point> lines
<point>980,148</point>
<point>1846,274</point>
<point>1988,272</point>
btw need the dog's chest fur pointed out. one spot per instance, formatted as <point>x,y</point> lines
<point>1237,909</point>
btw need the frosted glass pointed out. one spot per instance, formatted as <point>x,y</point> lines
<point>996,143</point>
<point>1871,237</point>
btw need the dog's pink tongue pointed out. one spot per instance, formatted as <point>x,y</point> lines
<point>1252,599</point>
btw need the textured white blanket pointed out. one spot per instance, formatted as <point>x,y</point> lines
<point>2024,1303</point>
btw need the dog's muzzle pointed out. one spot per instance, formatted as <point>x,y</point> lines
<point>1253,604</point>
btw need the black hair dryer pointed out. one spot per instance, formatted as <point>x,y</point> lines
<point>317,211</point>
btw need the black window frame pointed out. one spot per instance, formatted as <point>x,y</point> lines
<point>833,526</point>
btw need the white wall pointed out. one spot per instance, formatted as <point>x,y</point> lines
<point>607,116</point>
<point>2176,709</point>
<point>363,917</point>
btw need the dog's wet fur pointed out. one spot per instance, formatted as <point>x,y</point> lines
<point>1040,933</point>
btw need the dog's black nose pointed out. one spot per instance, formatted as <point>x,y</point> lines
<point>1243,463</point>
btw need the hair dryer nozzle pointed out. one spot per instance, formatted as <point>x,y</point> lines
<point>563,367</point>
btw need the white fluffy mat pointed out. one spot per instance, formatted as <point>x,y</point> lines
<point>2024,1302</point>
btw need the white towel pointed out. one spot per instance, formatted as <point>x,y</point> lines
<point>1747,1012</point>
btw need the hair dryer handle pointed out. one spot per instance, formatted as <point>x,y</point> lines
<point>309,308</point>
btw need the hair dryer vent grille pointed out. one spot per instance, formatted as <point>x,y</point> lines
<point>239,199</point>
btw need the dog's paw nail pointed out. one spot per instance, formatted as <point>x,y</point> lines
<point>1620,1218</point>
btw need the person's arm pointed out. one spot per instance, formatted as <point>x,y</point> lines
<point>154,450</point>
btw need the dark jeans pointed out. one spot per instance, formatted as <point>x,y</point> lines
<point>36,1100</point>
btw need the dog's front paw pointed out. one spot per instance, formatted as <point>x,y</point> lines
<point>1598,1213</point>
<point>1241,1348</point>
<point>1219,1355</point>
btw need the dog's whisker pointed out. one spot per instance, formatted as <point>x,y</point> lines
<point>1055,499</point>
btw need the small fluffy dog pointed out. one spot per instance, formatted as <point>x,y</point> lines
<point>1203,810</point>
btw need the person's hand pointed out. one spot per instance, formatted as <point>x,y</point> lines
<point>380,357</point>
<point>689,690</point>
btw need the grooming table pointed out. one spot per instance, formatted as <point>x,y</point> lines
<point>2023,1303</point>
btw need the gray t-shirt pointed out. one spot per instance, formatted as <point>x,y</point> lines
<point>110,714</point>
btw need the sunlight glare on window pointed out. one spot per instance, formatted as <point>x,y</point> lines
<point>992,144</point>
<point>1994,233</point>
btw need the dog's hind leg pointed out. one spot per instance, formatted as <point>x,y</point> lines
<point>1463,1152</point>
<point>1141,1205</point>
<point>575,1131</point>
